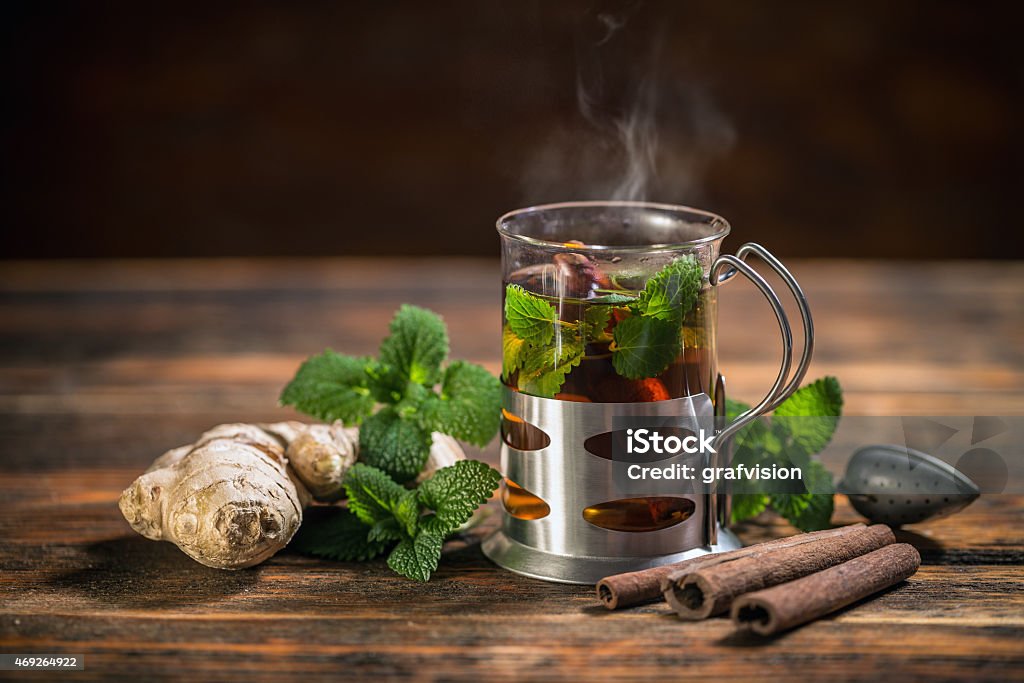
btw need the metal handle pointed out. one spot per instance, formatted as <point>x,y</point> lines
<point>805,315</point>
<point>781,389</point>
<point>719,503</point>
<point>787,342</point>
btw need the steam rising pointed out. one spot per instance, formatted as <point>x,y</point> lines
<point>648,134</point>
<point>638,134</point>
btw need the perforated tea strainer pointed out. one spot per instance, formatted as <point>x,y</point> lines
<point>896,485</point>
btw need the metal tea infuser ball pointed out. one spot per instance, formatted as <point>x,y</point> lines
<point>897,485</point>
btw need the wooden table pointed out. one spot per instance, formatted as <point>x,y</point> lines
<point>105,365</point>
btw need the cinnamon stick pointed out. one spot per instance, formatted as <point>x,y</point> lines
<point>635,588</point>
<point>791,604</point>
<point>706,591</point>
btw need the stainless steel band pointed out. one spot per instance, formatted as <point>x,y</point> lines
<point>569,479</point>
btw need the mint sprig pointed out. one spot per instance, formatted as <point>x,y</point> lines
<point>672,291</point>
<point>644,346</point>
<point>465,406</point>
<point>401,387</point>
<point>416,558</point>
<point>331,386</point>
<point>646,343</point>
<point>417,345</point>
<point>801,426</point>
<point>410,523</point>
<point>372,494</point>
<point>529,345</point>
<point>337,534</point>
<point>543,349</point>
<point>513,351</point>
<point>454,492</point>
<point>399,404</point>
<point>544,369</point>
<point>529,317</point>
<point>397,444</point>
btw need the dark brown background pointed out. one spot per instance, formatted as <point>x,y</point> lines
<point>821,129</point>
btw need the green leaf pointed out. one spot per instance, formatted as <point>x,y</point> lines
<point>398,446</point>
<point>529,316</point>
<point>412,399</point>
<point>672,291</point>
<point>454,492</point>
<point>513,351</point>
<point>543,373</point>
<point>596,320</point>
<point>645,346</point>
<point>809,417</point>
<point>386,383</point>
<point>790,505</point>
<point>613,299</point>
<point>372,494</point>
<point>812,509</point>
<point>386,530</point>
<point>747,505</point>
<point>336,534</point>
<point>417,559</point>
<point>822,397</point>
<point>407,512</point>
<point>468,407</point>
<point>417,345</point>
<point>331,386</point>
<point>734,409</point>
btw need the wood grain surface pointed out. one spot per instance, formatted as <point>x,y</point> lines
<point>104,365</point>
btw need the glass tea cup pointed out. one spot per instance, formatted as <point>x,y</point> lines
<point>609,319</point>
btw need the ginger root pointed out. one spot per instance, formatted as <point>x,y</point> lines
<point>321,455</point>
<point>235,496</point>
<point>230,500</point>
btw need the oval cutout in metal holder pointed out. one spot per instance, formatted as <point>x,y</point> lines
<point>522,504</point>
<point>612,445</point>
<point>522,435</point>
<point>638,515</point>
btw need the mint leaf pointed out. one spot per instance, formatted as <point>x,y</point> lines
<point>386,530</point>
<point>812,509</point>
<point>801,426</point>
<point>672,291</point>
<point>397,445</point>
<point>790,505</point>
<point>331,386</point>
<point>734,409</point>
<point>614,299</point>
<point>754,438</point>
<point>513,351</point>
<point>454,492</point>
<point>645,346</point>
<point>336,534</point>
<point>469,406</point>
<point>407,512</point>
<point>416,559</point>
<point>822,397</point>
<point>596,320</point>
<point>385,382</point>
<point>809,417</point>
<point>747,505</point>
<point>417,345</point>
<point>372,494</point>
<point>529,316</point>
<point>544,370</point>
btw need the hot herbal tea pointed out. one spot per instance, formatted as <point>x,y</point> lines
<point>608,328</point>
<point>609,337</point>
